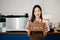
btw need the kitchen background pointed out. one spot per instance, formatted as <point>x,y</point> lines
<point>50,8</point>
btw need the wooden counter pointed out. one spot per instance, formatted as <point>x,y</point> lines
<point>25,32</point>
<point>14,32</point>
<point>53,33</point>
<point>22,35</point>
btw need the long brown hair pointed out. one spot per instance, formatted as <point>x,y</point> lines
<point>33,16</point>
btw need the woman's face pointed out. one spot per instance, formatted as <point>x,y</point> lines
<point>37,12</point>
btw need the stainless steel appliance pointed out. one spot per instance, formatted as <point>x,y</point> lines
<point>16,23</point>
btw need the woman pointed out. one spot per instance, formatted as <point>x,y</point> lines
<point>37,29</point>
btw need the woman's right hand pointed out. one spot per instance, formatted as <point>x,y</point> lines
<point>28,32</point>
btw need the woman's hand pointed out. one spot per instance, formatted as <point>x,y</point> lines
<point>28,32</point>
<point>44,33</point>
<point>36,29</point>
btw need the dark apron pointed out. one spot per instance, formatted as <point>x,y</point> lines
<point>36,35</point>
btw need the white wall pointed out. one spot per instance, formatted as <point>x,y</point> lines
<point>53,7</point>
<point>18,7</point>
